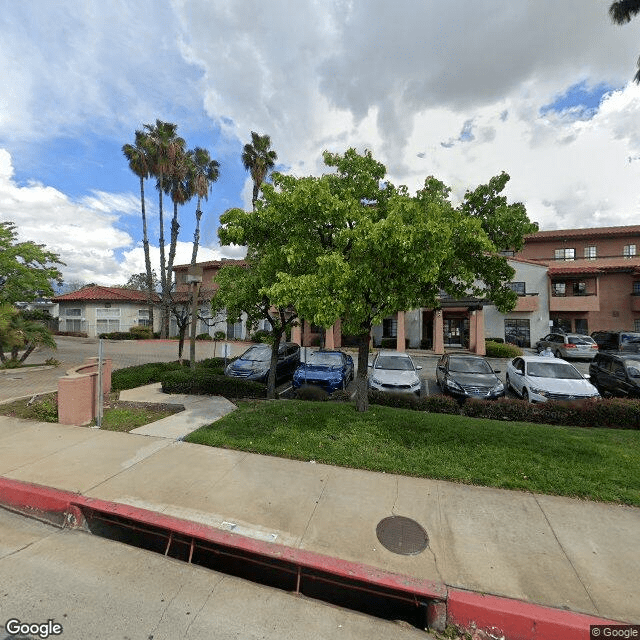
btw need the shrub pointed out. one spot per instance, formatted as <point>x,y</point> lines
<point>499,350</point>
<point>72,334</point>
<point>262,336</point>
<point>117,335</point>
<point>219,335</point>
<point>141,333</point>
<point>340,395</point>
<point>498,340</point>
<point>397,400</point>
<point>438,404</point>
<point>311,392</point>
<point>200,381</point>
<point>203,336</point>
<point>139,375</point>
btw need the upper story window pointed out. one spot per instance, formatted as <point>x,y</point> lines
<point>636,288</point>
<point>508,253</point>
<point>73,312</point>
<point>629,250</point>
<point>579,288</point>
<point>559,288</point>
<point>565,254</point>
<point>108,312</point>
<point>518,287</point>
<point>590,253</point>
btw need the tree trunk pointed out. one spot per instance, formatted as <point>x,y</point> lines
<point>147,256</point>
<point>196,234</point>
<point>28,351</point>
<point>164,308</point>
<point>271,380</point>
<point>362,390</point>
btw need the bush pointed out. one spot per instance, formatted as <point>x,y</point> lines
<point>439,404</point>
<point>499,350</point>
<point>203,382</point>
<point>203,336</point>
<point>617,413</point>
<point>139,375</point>
<point>72,334</point>
<point>498,340</point>
<point>262,336</point>
<point>219,335</point>
<point>430,404</point>
<point>141,333</point>
<point>311,392</point>
<point>340,395</point>
<point>117,335</point>
<point>214,365</point>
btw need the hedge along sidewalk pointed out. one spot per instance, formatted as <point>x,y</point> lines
<point>597,464</point>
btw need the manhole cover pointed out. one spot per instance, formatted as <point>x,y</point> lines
<point>402,535</point>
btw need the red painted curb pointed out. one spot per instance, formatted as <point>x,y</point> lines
<point>37,498</point>
<point>517,620</point>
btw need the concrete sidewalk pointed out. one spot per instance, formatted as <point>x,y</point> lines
<point>558,552</point>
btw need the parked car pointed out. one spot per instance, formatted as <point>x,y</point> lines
<point>616,374</point>
<point>617,340</point>
<point>394,371</point>
<point>568,345</point>
<point>538,379</point>
<point>465,376</point>
<point>328,369</point>
<point>255,362</point>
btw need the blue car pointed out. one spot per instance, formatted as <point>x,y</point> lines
<point>330,370</point>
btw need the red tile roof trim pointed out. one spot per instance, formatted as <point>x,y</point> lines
<point>112,294</point>
<point>595,232</point>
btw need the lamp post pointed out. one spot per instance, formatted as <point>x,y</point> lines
<point>194,278</point>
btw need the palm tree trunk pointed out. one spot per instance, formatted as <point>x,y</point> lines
<point>164,319</point>
<point>196,235</point>
<point>147,257</point>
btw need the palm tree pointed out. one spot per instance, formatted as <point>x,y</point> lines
<point>163,146</point>
<point>258,160</point>
<point>204,172</point>
<point>621,12</point>
<point>16,332</point>
<point>138,159</point>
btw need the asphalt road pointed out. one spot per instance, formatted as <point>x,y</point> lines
<point>100,589</point>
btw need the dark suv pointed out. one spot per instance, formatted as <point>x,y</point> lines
<point>616,374</point>
<point>617,340</point>
<point>255,362</point>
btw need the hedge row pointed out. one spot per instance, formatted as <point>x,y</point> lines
<point>202,381</point>
<point>501,350</point>
<point>615,413</point>
<point>139,375</point>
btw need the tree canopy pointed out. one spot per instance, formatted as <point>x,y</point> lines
<point>621,12</point>
<point>354,247</point>
<point>27,269</point>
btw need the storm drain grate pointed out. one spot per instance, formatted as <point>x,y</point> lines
<point>402,535</point>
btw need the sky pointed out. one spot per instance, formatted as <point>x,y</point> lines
<point>460,90</point>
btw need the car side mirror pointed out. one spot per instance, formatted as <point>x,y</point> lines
<point>419,367</point>
<point>370,365</point>
<point>497,371</point>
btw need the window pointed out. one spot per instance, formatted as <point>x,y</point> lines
<point>73,324</point>
<point>629,250</point>
<point>565,254</point>
<point>73,312</point>
<point>143,318</point>
<point>518,287</point>
<point>517,331</point>
<point>234,330</point>
<point>579,288</point>
<point>108,312</point>
<point>636,288</point>
<point>559,288</point>
<point>508,254</point>
<point>389,328</point>
<point>636,325</point>
<point>107,325</point>
<point>590,253</point>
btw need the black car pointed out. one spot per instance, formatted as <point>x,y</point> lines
<point>255,362</point>
<point>468,377</point>
<point>617,340</point>
<point>616,374</point>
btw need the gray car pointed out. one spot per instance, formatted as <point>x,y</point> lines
<point>394,371</point>
<point>569,345</point>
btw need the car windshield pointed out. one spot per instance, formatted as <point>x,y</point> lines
<point>469,365</point>
<point>580,340</point>
<point>259,353</point>
<point>397,363</point>
<point>327,359</point>
<point>552,369</point>
<point>629,337</point>
<point>633,368</point>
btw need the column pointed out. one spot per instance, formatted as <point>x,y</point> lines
<point>438,329</point>
<point>480,349</point>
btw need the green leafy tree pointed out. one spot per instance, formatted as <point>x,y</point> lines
<point>27,269</point>
<point>17,332</point>
<point>359,249</point>
<point>244,289</point>
<point>621,12</point>
<point>258,159</point>
<point>139,281</point>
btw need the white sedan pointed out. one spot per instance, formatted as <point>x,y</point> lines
<point>538,379</point>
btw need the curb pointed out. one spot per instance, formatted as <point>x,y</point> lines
<point>506,617</point>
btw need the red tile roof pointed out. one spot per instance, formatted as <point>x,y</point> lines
<point>211,263</point>
<point>599,265</point>
<point>593,232</point>
<point>97,293</point>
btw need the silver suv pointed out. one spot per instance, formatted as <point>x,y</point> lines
<point>568,346</point>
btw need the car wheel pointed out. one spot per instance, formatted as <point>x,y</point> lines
<point>525,395</point>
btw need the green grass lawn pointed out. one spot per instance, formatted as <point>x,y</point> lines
<point>598,464</point>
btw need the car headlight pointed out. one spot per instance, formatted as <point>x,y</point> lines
<point>452,384</point>
<point>539,392</point>
<point>499,388</point>
<point>375,380</point>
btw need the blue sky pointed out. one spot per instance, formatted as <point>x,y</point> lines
<point>429,89</point>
